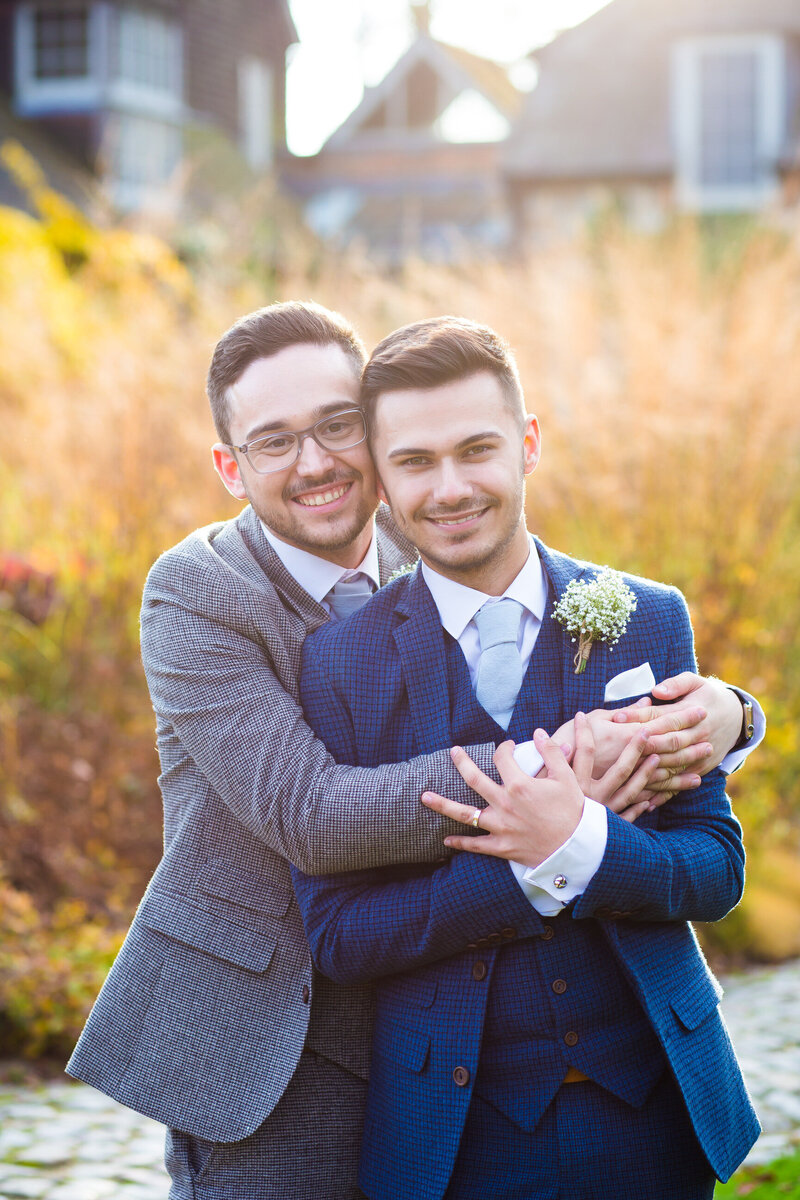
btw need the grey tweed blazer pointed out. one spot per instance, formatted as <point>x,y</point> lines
<point>213,995</point>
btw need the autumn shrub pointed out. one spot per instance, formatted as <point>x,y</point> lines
<point>665,381</point>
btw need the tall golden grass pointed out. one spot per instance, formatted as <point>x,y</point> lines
<point>664,370</point>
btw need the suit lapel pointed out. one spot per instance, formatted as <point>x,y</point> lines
<point>293,595</point>
<point>578,692</point>
<point>419,638</point>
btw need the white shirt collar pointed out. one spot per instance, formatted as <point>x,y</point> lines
<point>457,604</point>
<point>318,575</point>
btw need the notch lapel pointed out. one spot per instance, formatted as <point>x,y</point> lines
<point>578,692</point>
<point>419,638</point>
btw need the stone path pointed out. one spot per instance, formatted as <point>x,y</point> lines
<point>63,1141</point>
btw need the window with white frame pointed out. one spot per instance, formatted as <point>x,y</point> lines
<point>255,111</point>
<point>58,53</point>
<point>146,153</point>
<point>729,119</point>
<point>61,42</point>
<point>149,53</point>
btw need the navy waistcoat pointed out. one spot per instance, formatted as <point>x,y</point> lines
<point>561,999</point>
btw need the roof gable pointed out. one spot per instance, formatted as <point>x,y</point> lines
<point>421,86</point>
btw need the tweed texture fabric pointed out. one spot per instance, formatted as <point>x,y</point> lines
<point>202,1019</point>
<point>681,863</point>
<point>307,1149</point>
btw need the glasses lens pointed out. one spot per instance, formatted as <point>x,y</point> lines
<point>273,452</point>
<point>341,430</point>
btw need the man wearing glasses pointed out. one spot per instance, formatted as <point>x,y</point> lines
<point>206,1022</point>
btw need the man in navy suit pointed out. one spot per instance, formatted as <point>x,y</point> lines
<point>548,1029</point>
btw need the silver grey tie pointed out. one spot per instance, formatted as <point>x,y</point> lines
<point>348,595</point>
<point>499,675</point>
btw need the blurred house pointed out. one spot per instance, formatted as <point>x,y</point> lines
<point>653,104</point>
<point>115,87</point>
<point>397,175</point>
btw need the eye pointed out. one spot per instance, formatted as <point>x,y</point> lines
<point>475,451</point>
<point>417,460</point>
<point>339,425</point>
<point>278,443</point>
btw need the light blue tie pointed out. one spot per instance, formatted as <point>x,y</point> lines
<point>499,674</point>
<point>349,594</point>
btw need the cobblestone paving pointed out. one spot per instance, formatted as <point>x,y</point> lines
<point>63,1141</point>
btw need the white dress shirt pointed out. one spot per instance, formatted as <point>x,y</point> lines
<point>567,872</point>
<point>318,575</point>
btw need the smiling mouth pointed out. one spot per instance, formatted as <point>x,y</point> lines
<point>317,499</point>
<point>461,519</point>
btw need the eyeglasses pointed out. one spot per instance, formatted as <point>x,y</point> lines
<point>276,451</point>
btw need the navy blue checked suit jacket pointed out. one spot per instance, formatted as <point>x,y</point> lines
<point>375,689</point>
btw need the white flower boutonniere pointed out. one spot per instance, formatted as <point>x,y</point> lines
<point>597,611</point>
<point>406,569</point>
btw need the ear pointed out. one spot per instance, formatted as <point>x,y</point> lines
<point>226,465</point>
<point>532,444</point>
<point>381,490</point>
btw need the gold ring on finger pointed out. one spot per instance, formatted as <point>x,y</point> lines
<point>475,819</point>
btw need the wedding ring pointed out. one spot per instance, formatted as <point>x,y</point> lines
<point>475,819</point>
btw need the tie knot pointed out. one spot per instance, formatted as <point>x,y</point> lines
<point>349,594</point>
<point>498,622</point>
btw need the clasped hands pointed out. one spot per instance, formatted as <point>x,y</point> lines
<point>630,759</point>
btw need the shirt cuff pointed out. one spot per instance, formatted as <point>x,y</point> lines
<point>569,869</point>
<point>528,758</point>
<point>731,762</point>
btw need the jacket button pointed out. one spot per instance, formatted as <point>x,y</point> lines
<point>479,970</point>
<point>547,933</point>
<point>494,939</point>
<point>571,1038</point>
<point>509,933</point>
<point>306,994</point>
<point>461,1077</point>
<point>559,986</point>
<point>472,945</point>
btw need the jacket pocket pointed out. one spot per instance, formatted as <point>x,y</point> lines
<point>696,1000</point>
<point>177,918</point>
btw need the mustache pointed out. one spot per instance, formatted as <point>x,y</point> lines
<point>455,510</point>
<point>332,479</point>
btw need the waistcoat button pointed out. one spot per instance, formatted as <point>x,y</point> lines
<point>306,993</point>
<point>461,1077</point>
<point>479,970</point>
<point>547,933</point>
<point>571,1038</point>
<point>559,986</point>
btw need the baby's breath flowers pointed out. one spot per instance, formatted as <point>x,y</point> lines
<point>406,569</point>
<point>597,611</point>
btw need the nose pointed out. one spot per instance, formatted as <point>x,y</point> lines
<point>313,459</point>
<point>451,485</point>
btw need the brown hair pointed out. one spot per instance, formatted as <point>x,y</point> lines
<point>437,351</point>
<point>265,332</point>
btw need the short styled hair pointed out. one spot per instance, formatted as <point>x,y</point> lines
<point>265,332</point>
<point>440,350</point>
